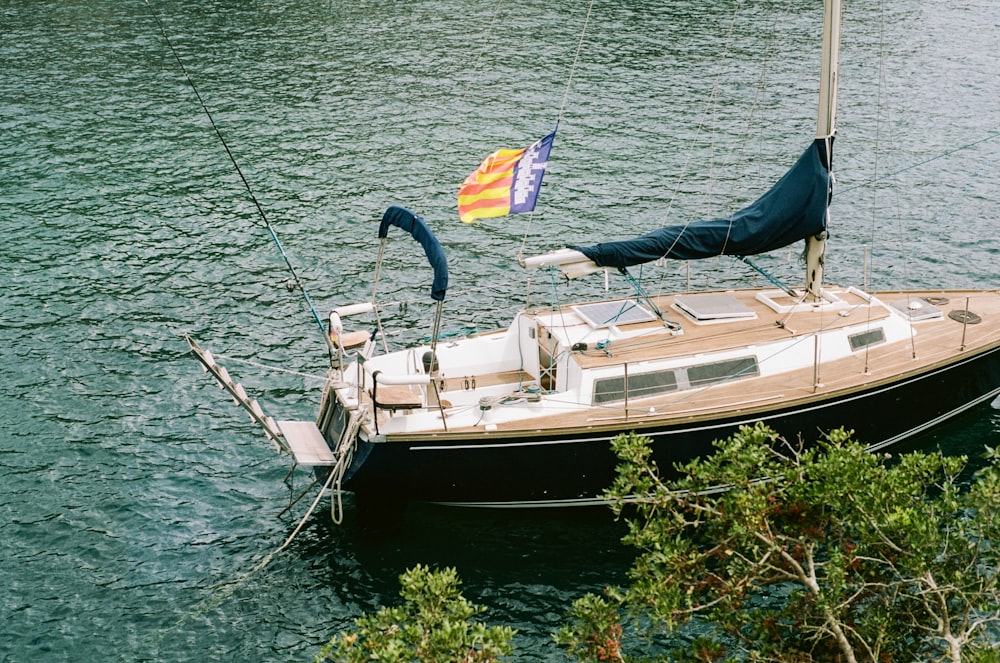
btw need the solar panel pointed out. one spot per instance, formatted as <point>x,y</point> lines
<point>620,312</point>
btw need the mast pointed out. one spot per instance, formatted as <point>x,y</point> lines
<point>826,124</point>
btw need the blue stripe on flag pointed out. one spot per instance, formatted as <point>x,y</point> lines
<point>528,174</point>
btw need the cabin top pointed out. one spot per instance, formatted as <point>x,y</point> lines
<point>626,331</point>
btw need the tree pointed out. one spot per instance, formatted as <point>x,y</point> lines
<point>431,626</point>
<point>825,553</point>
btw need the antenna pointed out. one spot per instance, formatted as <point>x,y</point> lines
<point>260,209</point>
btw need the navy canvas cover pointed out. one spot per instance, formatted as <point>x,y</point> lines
<point>406,220</point>
<point>793,209</point>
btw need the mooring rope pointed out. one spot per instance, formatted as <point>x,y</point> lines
<point>267,367</point>
<point>224,590</point>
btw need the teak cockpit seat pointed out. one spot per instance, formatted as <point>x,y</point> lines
<point>392,398</point>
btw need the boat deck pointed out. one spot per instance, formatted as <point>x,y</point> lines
<point>935,342</point>
<point>657,342</point>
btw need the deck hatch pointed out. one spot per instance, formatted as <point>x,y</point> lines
<point>917,309</point>
<point>713,307</point>
<point>620,312</point>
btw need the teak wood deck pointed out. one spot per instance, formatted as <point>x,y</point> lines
<point>711,337</point>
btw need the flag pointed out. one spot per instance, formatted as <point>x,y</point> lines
<point>507,182</point>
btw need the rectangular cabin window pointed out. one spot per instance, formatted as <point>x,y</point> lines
<point>864,339</point>
<point>640,385</point>
<point>722,371</point>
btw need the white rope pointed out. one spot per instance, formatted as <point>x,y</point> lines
<point>312,507</point>
<point>337,510</point>
<point>345,453</point>
<point>227,588</point>
<point>271,368</point>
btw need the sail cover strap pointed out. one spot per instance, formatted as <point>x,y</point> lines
<point>413,224</point>
<point>793,209</point>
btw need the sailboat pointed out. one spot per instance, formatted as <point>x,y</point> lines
<point>523,416</point>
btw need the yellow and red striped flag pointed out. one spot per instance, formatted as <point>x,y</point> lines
<point>507,182</point>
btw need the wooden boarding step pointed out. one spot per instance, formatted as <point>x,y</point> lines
<point>307,444</point>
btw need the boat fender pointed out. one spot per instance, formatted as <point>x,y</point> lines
<point>354,309</point>
<point>430,362</point>
<point>336,326</point>
<point>409,379</point>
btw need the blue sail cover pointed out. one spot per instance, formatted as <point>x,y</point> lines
<point>413,224</point>
<point>793,209</point>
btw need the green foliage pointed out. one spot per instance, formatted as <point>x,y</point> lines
<point>431,626</point>
<point>594,632</point>
<point>826,553</point>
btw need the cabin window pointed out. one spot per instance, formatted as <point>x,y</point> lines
<point>644,385</point>
<point>864,339</point>
<point>722,371</point>
<point>640,385</point>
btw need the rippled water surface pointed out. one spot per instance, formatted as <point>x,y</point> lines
<point>135,498</point>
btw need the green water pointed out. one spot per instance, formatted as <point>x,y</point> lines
<point>132,492</point>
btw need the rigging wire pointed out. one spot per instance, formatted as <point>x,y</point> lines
<point>880,96</point>
<point>562,108</point>
<point>942,217</point>
<point>246,183</point>
<point>708,118</point>
<point>576,60</point>
<point>269,367</point>
<point>879,178</point>
<point>486,42</point>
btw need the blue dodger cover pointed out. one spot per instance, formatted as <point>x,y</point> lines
<point>413,224</point>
